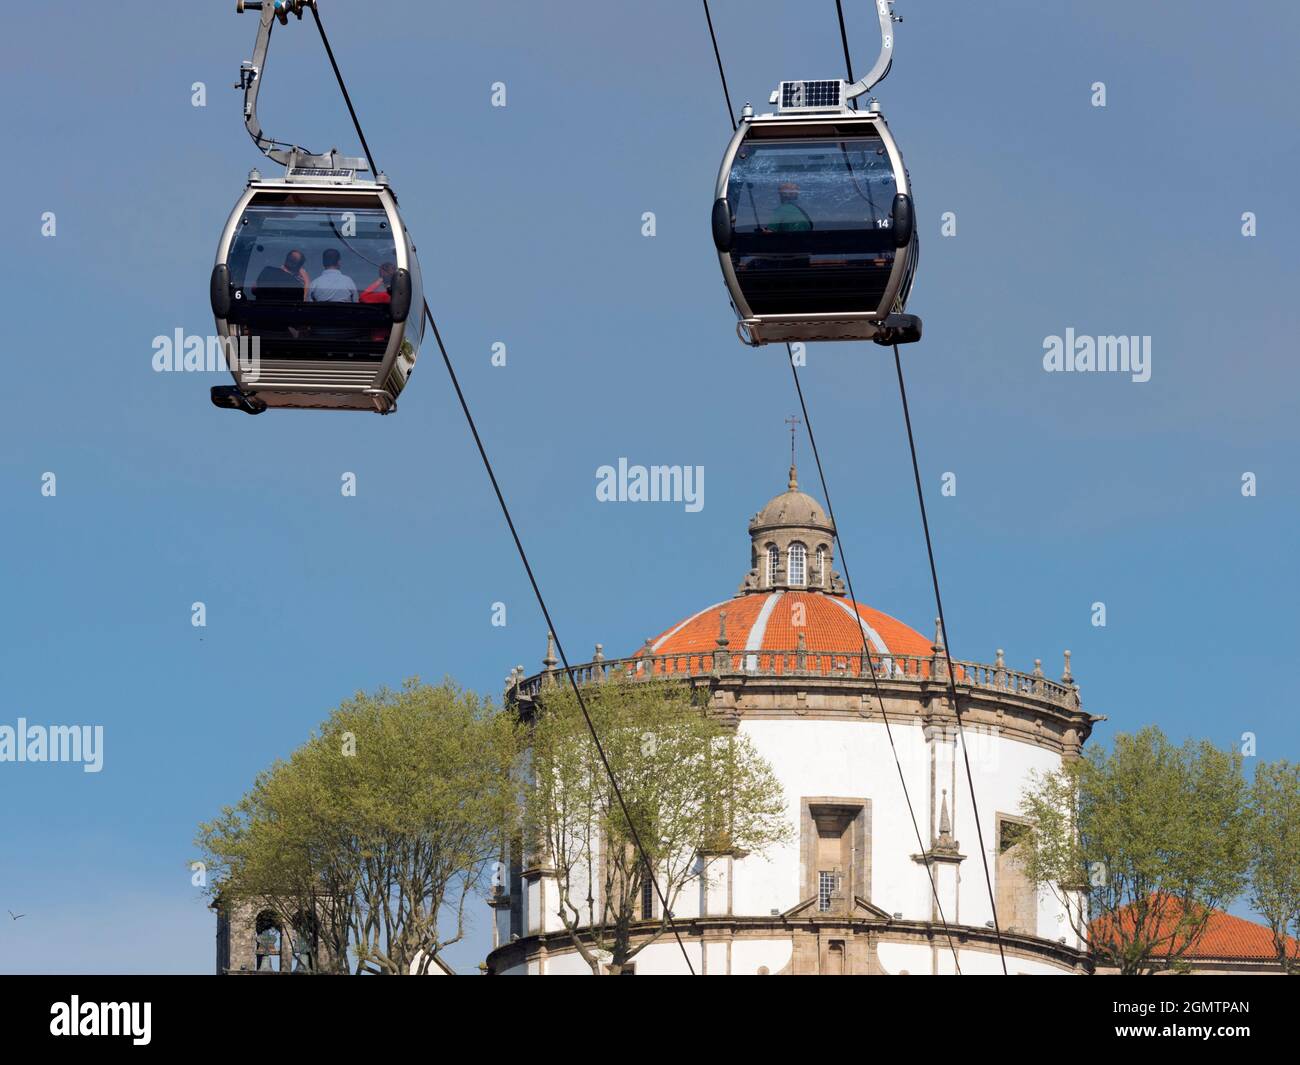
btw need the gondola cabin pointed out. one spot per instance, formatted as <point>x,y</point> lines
<point>317,296</point>
<point>813,222</point>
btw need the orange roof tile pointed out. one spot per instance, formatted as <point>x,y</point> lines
<point>1225,937</point>
<point>774,621</point>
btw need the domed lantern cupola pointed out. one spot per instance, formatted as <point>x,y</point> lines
<point>792,543</point>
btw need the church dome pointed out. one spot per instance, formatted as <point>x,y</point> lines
<point>782,620</point>
<point>790,603</point>
<point>792,508</point>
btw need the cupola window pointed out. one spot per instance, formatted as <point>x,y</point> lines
<point>773,563</point>
<point>821,567</point>
<point>798,564</point>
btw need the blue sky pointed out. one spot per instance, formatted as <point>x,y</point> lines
<point>1071,488</point>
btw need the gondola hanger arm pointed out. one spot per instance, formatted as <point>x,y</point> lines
<point>885,13</point>
<point>250,80</point>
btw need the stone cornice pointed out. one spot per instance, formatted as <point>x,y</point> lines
<point>881,929</point>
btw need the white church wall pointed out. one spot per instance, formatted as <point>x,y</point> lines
<point>852,759</point>
<point>914,958</point>
<point>664,958</point>
<point>749,955</point>
<point>714,886</point>
<point>717,959</point>
<point>533,906</point>
<point>1001,768</point>
<point>571,963</point>
<point>843,759</point>
<point>501,919</point>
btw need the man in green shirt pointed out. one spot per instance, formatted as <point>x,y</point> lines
<point>789,217</point>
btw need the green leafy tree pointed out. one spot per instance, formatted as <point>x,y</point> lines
<point>370,839</point>
<point>695,791</point>
<point>1139,844</point>
<point>1275,856</point>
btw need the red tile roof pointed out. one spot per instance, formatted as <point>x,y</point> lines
<point>1225,937</point>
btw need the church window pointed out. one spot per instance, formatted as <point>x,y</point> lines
<point>798,564</point>
<point>1017,898</point>
<point>821,567</point>
<point>825,889</point>
<point>266,931</point>
<point>647,897</point>
<point>773,563</point>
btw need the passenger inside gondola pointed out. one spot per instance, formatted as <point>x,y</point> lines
<point>788,217</point>
<point>381,289</point>
<point>287,283</point>
<point>333,285</point>
<point>297,269</point>
<point>812,224</point>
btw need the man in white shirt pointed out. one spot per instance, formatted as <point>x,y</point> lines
<point>333,285</point>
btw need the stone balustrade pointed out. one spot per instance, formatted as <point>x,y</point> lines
<point>800,662</point>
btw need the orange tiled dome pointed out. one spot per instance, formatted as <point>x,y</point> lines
<point>791,612</point>
<point>773,621</point>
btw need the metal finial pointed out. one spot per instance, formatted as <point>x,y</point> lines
<point>793,422</point>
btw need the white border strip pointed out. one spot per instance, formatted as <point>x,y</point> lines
<point>759,629</point>
<point>673,632</point>
<point>870,633</point>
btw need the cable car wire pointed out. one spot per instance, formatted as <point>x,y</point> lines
<point>943,625</point>
<point>938,599</point>
<point>519,547</point>
<point>848,579</point>
<point>731,115</point>
<point>559,647</point>
<point>347,97</point>
<point>844,39</point>
<point>866,655</point>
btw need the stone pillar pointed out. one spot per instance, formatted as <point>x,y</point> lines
<point>721,656</point>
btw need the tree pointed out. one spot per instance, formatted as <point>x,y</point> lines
<point>373,835</point>
<point>695,790</point>
<point>1275,856</point>
<point>1140,844</point>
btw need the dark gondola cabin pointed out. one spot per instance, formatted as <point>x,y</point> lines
<point>813,223</point>
<point>318,290</point>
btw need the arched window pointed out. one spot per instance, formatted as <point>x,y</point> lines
<point>773,562</point>
<point>821,566</point>
<point>798,564</point>
<point>266,948</point>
